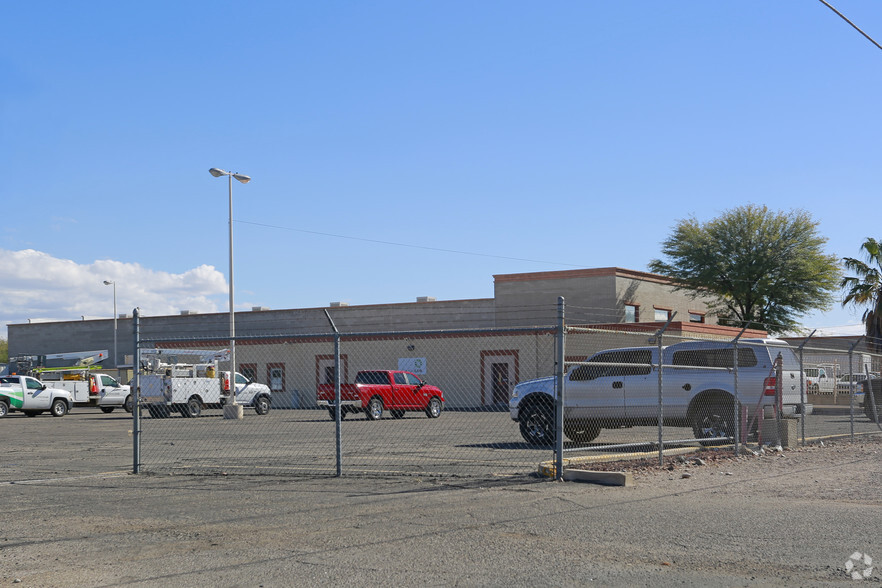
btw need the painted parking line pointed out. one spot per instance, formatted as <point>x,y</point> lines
<point>67,479</point>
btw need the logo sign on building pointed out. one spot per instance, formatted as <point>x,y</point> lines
<point>416,365</point>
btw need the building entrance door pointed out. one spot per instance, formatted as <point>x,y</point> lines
<point>499,382</point>
<point>499,372</point>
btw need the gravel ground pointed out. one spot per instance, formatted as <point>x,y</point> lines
<point>790,518</point>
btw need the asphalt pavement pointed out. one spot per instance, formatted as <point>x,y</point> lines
<point>75,515</point>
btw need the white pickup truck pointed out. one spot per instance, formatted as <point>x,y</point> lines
<point>32,397</point>
<point>818,381</point>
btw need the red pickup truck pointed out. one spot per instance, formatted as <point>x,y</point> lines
<point>377,390</point>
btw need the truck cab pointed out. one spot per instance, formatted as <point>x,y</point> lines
<point>248,393</point>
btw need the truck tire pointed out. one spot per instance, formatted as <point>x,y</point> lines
<point>129,404</point>
<point>107,409</point>
<point>433,410</point>
<point>4,408</point>
<point>157,411</point>
<point>192,409</point>
<point>261,405</point>
<point>333,412</point>
<point>59,407</point>
<point>536,420</point>
<point>713,421</point>
<point>374,409</point>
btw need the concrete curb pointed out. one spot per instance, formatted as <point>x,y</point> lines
<point>603,478</point>
<point>547,469</point>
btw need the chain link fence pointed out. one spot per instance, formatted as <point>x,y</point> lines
<point>489,402</point>
<point>444,411</point>
<point>649,394</point>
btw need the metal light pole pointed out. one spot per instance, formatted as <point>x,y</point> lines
<point>231,409</point>
<point>108,283</point>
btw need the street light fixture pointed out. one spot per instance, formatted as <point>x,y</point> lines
<point>235,410</point>
<point>108,283</point>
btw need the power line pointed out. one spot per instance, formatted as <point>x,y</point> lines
<point>392,243</point>
<point>857,28</point>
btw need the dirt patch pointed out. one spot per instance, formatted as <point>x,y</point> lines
<point>724,461</point>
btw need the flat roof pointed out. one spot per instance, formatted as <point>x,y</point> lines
<point>583,273</point>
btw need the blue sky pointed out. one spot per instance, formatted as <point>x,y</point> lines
<point>404,149</point>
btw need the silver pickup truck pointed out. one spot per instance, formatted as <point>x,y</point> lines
<point>619,387</point>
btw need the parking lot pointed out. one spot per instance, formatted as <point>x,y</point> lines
<point>482,445</point>
<point>74,515</point>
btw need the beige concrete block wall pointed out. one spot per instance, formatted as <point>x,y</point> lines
<point>456,364</point>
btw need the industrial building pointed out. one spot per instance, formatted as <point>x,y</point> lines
<point>476,356</point>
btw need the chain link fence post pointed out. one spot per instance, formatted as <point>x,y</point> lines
<point>851,383</point>
<point>338,401</point>
<point>661,411</point>
<point>561,389</point>
<point>736,404</point>
<point>802,390</point>
<point>779,396</point>
<point>136,393</point>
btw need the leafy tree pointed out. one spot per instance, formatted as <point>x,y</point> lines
<point>865,289</point>
<point>4,350</point>
<point>760,268</point>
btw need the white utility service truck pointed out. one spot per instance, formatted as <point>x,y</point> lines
<point>78,373</point>
<point>168,385</point>
<point>89,388</point>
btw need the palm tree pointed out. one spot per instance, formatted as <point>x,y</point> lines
<point>866,289</point>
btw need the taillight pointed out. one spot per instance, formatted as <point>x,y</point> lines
<point>226,382</point>
<point>769,385</point>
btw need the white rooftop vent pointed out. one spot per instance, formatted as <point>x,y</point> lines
<point>259,308</point>
<point>124,315</point>
<point>339,304</point>
<point>425,299</point>
<point>189,312</point>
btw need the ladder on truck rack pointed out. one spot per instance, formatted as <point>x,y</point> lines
<point>38,364</point>
<point>201,355</point>
<point>182,362</point>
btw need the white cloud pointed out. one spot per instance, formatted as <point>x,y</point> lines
<point>37,286</point>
